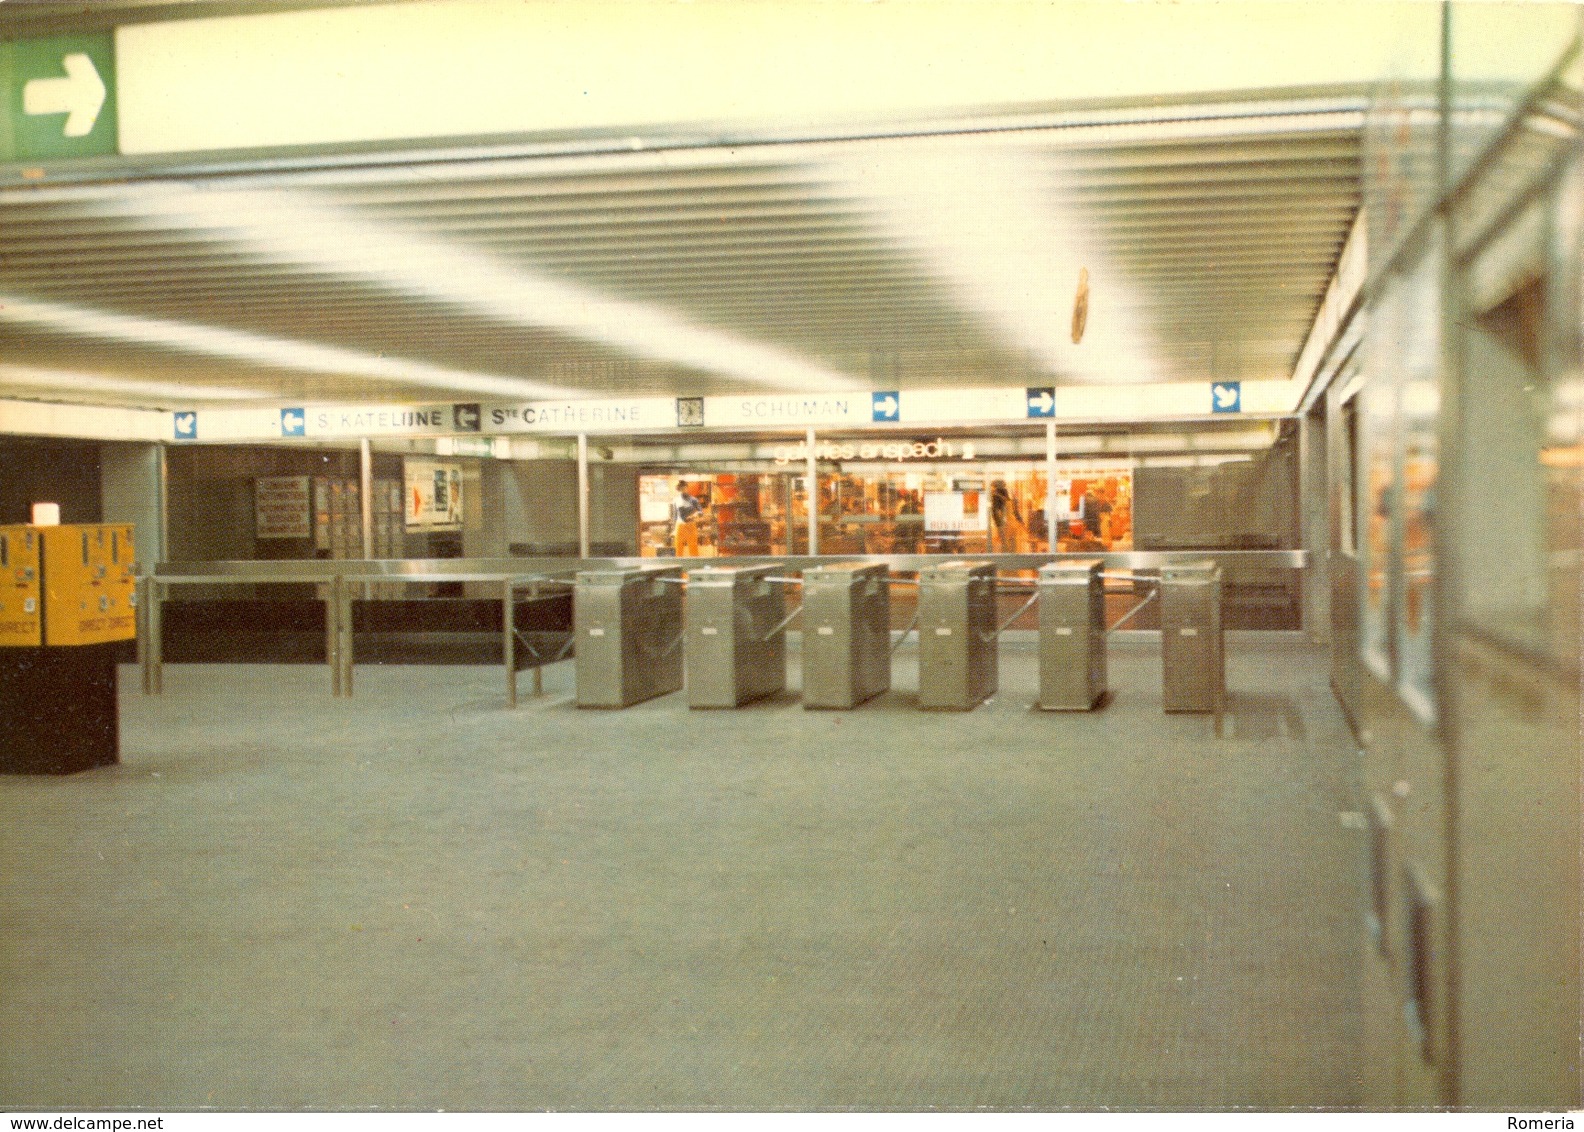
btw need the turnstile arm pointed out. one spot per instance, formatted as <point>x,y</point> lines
<point>1021,610</point>
<point>787,620</point>
<point>1126,617</point>
<point>911,625</point>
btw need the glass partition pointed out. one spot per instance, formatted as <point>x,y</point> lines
<point>972,509</point>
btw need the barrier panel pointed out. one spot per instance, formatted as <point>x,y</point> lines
<point>736,636</point>
<point>846,634</point>
<point>1072,632</point>
<point>628,628</point>
<point>957,635</point>
<point>1193,654</point>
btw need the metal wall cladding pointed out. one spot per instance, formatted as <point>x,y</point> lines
<point>957,635</point>
<point>846,634</point>
<point>628,625</point>
<point>1072,641</point>
<point>736,642</point>
<point>1192,649</point>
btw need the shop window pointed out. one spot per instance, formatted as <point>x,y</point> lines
<point>973,510</point>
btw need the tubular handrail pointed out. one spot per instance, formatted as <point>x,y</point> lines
<point>495,569</point>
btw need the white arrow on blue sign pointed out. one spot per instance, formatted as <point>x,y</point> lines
<point>1226,396</point>
<point>294,422</point>
<point>886,406</point>
<point>186,426</point>
<point>1042,401</point>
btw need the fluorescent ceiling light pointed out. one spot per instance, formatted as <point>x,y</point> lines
<point>995,225</point>
<point>306,231</point>
<point>257,349</point>
<point>29,377</point>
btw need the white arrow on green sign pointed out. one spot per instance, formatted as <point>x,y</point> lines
<point>57,97</point>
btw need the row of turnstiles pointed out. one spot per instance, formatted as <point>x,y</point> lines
<point>636,637</point>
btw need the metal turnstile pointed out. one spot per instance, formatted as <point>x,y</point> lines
<point>1192,648</point>
<point>1072,644</point>
<point>736,636</point>
<point>628,627</point>
<point>957,635</point>
<point>846,634</point>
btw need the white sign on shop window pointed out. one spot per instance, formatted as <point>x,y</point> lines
<point>434,495</point>
<point>956,511</point>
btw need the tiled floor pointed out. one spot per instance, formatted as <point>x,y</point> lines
<point>415,899</point>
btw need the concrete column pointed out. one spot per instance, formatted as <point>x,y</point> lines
<point>583,495</point>
<point>813,496</point>
<point>132,490</point>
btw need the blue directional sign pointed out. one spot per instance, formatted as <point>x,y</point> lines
<point>1226,397</point>
<point>1042,401</point>
<point>294,422</point>
<point>186,426</point>
<point>886,406</point>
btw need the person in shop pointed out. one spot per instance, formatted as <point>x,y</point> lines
<point>685,509</point>
<point>1006,520</point>
<point>1093,506</point>
<point>1080,538</point>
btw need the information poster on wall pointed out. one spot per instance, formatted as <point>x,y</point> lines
<point>434,495</point>
<point>281,507</point>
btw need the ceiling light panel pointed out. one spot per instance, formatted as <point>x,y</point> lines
<point>1209,232</point>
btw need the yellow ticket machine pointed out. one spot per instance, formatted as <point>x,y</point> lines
<point>67,598</point>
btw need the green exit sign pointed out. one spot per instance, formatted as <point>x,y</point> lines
<point>58,97</point>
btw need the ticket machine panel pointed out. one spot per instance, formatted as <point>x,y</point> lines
<point>89,584</point>
<point>21,618</point>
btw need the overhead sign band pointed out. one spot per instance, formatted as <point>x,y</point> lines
<point>667,414</point>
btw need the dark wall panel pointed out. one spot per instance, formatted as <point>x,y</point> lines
<point>49,471</point>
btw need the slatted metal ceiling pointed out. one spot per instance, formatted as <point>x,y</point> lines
<point>1209,230</point>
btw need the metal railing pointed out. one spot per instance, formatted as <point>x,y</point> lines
<point>341,579</point>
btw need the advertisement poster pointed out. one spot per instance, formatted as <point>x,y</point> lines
<point>434,495</point>
<point>281,507</point>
